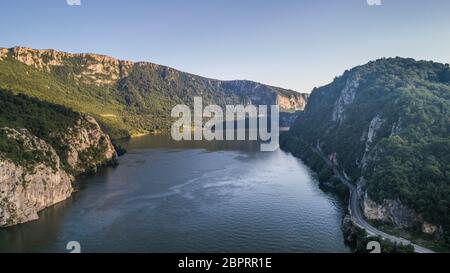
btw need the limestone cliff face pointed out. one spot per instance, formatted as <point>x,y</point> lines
<point>395,212</point>
<point>127,98</point>
<point>101,70</point>
<point>88,146</point>
<point>3,53</point>
<point>26,189</point>
<point>390,211</point>
<point>87,68</point>
<point>23,193</point>
<point>260,94</point>
<point>293,102</point>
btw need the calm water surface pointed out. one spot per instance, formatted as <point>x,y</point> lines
<point>190,197</point>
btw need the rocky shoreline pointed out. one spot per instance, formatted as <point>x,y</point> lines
<point>27,189</point>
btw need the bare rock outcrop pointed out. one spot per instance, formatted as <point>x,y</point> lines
<point>347,96</point>
<point>30,185</point>
<point>391,211</point>
<point>3,53</point>
<point>88,146</point>
<point>26,190</point>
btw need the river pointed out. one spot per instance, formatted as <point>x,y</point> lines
<point>168,196</point>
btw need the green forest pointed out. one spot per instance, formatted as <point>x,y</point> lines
<point>409,156</point>
<point>44,120</point>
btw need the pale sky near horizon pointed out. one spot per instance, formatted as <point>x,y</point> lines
<point>296,44</point>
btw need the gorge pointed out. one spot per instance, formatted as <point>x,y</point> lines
<point>382,125</point>
<point>46,143</point>
<point>127,98</point>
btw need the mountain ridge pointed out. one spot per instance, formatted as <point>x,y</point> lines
<point>126,97</point>
<point>385,124</point>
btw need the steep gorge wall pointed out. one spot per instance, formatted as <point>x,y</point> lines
<point>29,187</point>
<point>101,70</point>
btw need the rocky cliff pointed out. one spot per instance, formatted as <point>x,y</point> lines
<point>87,146</point>
<point>260,94</point>
<point>90,68</point>
<point>399,214</point>
<point>126,97</point>
<point>40,159</point>
<point>385,124</point>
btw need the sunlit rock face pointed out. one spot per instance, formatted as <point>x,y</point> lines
<point>27,189</point>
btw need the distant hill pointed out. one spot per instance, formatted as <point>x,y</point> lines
<point>386,124</point>
<point>127,98</point>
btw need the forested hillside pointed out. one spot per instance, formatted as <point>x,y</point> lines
<point>387,125</point>
<point>43,148</point>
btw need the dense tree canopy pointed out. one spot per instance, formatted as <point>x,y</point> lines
<point>45,120</point>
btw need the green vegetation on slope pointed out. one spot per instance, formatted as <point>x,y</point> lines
<point>23,79</point>
<point>45,120</point>
<point>407,102</point>
<point>358,240</point>
<point>136,100</point>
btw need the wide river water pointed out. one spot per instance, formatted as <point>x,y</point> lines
<point>168,196</point>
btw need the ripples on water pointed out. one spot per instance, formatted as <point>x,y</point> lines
<point>170,196</point>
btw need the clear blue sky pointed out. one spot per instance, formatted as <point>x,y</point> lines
<point>296,44</point>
